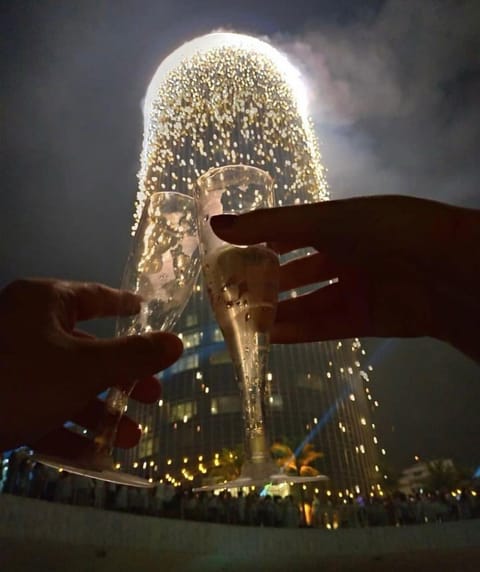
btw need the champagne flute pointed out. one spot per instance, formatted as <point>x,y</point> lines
<point>243,288</point>
<point>162,267</point>
<point>242,284</point>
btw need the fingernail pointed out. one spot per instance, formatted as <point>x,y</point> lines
<point>223,221</point>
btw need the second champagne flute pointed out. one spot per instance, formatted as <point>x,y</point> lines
<point>162,267</point>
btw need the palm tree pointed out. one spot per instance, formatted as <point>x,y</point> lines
<point>299,464</point>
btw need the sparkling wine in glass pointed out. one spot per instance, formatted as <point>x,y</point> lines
<point>162,267</point>
<point>242,285</point>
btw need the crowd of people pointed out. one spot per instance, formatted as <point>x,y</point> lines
<point>34,480</point>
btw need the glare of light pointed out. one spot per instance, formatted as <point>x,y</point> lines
<point>219,40</point>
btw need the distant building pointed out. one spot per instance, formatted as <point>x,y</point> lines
<point>413,479</point>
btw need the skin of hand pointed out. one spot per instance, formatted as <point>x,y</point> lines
<point>51,373</point>
<point>406,267</point>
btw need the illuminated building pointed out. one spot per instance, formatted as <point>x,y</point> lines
<point>226,99</point>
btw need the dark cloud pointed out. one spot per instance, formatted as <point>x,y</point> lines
<point>395,98</point>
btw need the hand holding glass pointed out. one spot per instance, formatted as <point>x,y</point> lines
<point>162,268</point>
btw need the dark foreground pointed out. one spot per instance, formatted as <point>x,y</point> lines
<point>37,536</point>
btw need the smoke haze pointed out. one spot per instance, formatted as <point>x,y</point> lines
<point>395,99</point>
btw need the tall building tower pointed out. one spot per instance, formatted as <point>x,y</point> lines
<point>228,99</point>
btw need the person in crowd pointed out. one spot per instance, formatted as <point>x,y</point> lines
<point>39,481</point>
<point>63,492</point>
<point>121,498</point>
<point>82,490</point>
<point>99,493</point>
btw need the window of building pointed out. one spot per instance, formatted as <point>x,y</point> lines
<point>309,380</point>
<point>218,358</point>
<point>182,411</point>
<point>276,401</point>
<point>191,340</point>
<point>191,320</point>
<point>184,363</point>
<point>225,404</point>
<point>217,335</point>
<point>145,447</point>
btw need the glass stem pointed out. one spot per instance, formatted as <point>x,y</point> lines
<point>251,376</point>
<point>106,432</point>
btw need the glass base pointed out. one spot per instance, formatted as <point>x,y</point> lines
<point>259,475</point>
<point>103,471</point>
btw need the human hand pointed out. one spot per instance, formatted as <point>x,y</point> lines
<point>404,268</point>
<point>51,373</point>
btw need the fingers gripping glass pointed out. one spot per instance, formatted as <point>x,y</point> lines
<point>242,284</point>
<point>162,267</point>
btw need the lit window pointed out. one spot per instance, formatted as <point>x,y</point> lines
<point>225,404</point>
<point>275,401</point>
<point>182,411</point>
<point>217,335</point>
<point>191,340</point>
<point>191,320</point>
<point>219,357</point>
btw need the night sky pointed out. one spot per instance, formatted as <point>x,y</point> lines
<point>394,90</point>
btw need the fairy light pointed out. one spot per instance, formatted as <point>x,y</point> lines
<point>222,89</point>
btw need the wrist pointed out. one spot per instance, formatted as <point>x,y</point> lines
<point>457,281</point>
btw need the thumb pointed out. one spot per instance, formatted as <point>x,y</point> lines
<point>127,359</point>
